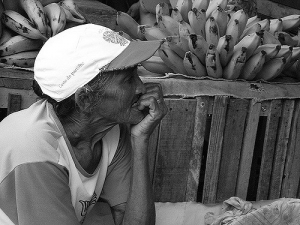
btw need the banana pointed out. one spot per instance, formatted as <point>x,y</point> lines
<point>171,59</point>
<point>162,8</point>
<point>256,27</point>
<point>176,15</point>
<point>251,42</point>
<point>198,45</point>
<point>193,66</point>
<point>253,65</point>
<point>178,45</point>
<point>147,32</point>
<point>233,30</point>
<point>286,39</point>
<point>213,4</point>
<point>285,51</point>
<point>275,25</point>
<point>220,16</point>
<point>125,35</point>
<point>212,62</point>
<point>200,4</point>
<point>252,20</point>
<point>271,50</point>
<point>21,59</point>
<point>127,24</point>
<point>293,57</point>
<point>70,17</point>
<point>35,12</point>
<point>242,17</point>
<point>225,49</point>
<point>212,31</point>
<point>6,34</point>
<point>271,69</point>
<point>290,22</point>
<point>56,16</point>
<point>156,65</point>
<point>184,6</point>
<point>234,67</point>
<point>19,43</point>
<point>269,38</point>
<point>265,24</point>
<point>73,9</point>
<point>185,29</point>
<point>169,24</point>
<point>21,25</point>
<point>197,20</point>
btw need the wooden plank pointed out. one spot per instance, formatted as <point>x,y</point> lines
<point>281,148</point>
<point>274,10</point>
<point>214,149</point>
<point>28,97</point>
<point>197,148</point>
<point>232,145</point>
<point>291,176</point>
<point>248,149</point>
<point>268,150</point>
<point>290,3</point>
<point>14,103</point>
<point>174,149</point>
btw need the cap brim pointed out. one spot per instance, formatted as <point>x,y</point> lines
<point>135,53</point>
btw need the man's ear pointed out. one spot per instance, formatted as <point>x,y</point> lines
<point>83,99</point>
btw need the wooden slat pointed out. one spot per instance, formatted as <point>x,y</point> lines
<point>174,149</point>
<point>197,148</point>
<point>214,149</point>
<point>232,145</point>
<point>274,10</point>
<point>248,149</point>
<point>281,148</point>
<point>268,150</point>
<point>291,177</point>
<point>14,103</point>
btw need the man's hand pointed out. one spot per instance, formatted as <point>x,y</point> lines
<point>152,99</point>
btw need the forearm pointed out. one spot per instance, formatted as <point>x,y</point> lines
<point>140,207</point>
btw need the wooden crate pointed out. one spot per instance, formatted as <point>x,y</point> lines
<point>210,148</point>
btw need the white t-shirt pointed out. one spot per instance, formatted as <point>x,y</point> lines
<point>41,181</point>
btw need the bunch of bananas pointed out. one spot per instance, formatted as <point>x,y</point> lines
<point>212,38</point>
<point>23,36</point>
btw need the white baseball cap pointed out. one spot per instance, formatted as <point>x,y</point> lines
<point>72,58</point>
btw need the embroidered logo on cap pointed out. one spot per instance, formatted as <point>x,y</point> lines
<point>113,37</point>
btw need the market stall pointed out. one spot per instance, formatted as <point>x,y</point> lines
<point>221,138</point>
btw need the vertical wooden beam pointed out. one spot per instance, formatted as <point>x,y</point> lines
<point>174,149</point>
<point>214,149</point>
<point>291,176</point>
<point>14,103</point>
<point>281,148</point>
<point>268,150</point>
<point>248,149</point>
<point>197,148</point>
<point>232,145</point>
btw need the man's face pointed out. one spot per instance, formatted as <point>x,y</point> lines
<point>119,102</point>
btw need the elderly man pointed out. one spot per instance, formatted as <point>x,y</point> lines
<point>87,138</point>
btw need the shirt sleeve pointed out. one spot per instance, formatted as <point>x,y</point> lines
<point>117,183</point>
<point>37,193</point>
